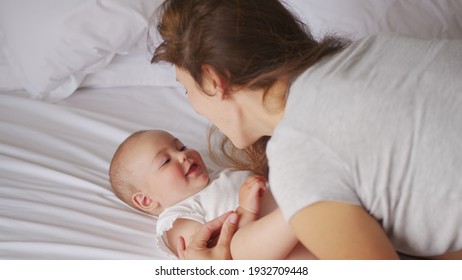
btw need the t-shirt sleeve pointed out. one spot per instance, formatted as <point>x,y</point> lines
<point>166,220</point>
<point>303,171</point>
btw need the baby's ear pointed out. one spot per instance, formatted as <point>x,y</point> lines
<point>145,203</point>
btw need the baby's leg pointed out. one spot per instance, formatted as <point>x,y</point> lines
<point>250,195</point>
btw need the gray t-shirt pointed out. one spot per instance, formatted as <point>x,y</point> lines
<point>379,125</point>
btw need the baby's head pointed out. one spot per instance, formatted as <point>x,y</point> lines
<point>152,170</point>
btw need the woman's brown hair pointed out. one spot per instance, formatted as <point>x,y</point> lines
<point>252,158</point>
<point>249,43</point>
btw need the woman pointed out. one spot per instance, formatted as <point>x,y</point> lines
<point>364,151</point>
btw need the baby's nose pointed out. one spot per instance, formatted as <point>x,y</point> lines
<point>182,157</point>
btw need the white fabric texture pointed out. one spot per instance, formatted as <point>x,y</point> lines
<point>52,45</point>
<point>219,197</point>
<point>379,125</point>
<point>132,69</point>
<point>55,197</point>
<point>358,18</point>
<point>8,81</point>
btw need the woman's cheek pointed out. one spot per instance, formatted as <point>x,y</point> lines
<point>195,104</point>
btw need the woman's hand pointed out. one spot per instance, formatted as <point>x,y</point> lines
<point>203,244</point>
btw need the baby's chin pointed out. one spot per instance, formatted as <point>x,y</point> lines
<point>201,182</point>
<point>206,180</point>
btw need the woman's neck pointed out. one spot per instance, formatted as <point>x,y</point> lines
<point>265,109</point>
<point>274,102</point>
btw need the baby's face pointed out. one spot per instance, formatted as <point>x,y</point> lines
<point>168,171</point>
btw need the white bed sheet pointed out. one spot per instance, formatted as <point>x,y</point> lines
<point>55,198</point>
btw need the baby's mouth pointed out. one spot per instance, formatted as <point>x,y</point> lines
<point>192,168</point>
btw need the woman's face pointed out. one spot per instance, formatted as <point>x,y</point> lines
<point>223,111</point>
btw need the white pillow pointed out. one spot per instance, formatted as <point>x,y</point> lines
<point>133,69</point>
<point>352,18</point>
<point>8,81</point>
<point>358,18</point>
<point>52,45</point>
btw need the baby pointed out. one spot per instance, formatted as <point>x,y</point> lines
<point>156,173</point>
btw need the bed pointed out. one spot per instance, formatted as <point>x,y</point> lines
<point>75,80</point>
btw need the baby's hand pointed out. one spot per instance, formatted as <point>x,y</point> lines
<point>250,194</point>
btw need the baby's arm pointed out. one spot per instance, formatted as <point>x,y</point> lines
<point>181,228</point>
<point>249,208</point>
<point>250,194</point>
<point>269,237</point>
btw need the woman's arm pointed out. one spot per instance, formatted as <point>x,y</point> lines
<point>270,237</point>
<point>335,230</point>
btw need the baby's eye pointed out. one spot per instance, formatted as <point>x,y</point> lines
<point>186,93</point>
<point>166,161</point>
<point>184,148</point>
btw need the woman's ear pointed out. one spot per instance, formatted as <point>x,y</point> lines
<point>213,83</point>
<point>144,202</point>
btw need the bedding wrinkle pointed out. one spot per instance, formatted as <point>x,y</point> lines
<point>54,160</point>
<point>90,58</point>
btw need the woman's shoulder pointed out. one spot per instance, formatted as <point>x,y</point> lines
<point>380,52</point>
<point>397,44</point>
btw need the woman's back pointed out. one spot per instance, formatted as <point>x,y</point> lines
<point>379,125</point>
